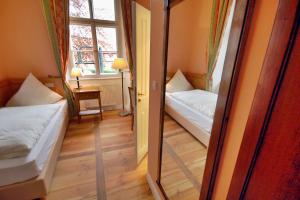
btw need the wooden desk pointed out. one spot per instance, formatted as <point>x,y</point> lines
<point>87,93</point>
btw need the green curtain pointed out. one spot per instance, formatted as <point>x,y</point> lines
<point>218,16</point>
<point>56,13</point>
<point>126,6</point>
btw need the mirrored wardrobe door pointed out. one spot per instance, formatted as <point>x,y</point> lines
<point>192,79</point>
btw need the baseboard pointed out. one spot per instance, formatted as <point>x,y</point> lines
<point>107,107</point>
<point>112,107</point>
<point>154,189</point>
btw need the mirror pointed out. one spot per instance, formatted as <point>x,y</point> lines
<point>191,94</point>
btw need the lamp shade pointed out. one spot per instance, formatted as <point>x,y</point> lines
<point>76,71</point>
<point>120,63</point>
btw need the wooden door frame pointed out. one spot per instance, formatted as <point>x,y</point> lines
<point>234,56</point>
<point>275,63</point>
<point>134,78</point>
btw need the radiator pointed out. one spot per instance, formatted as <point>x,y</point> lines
<point>110,97</point>
<point>111,93</point>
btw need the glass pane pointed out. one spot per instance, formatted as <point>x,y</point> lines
<point>107,69</point>
<point>107,38</point>
<point>109,56</point>
<point>86,61</point>
<point>107,48</point>
<point>83,57</point>
<point>79,8</point>
<point>82,48</point>
<point>81,37</point>
<point>104,9</point>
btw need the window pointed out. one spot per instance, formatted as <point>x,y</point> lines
<point>94,35</point>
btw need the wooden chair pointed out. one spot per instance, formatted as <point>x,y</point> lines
<point>131,97</point>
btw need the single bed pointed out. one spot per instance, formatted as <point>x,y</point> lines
<point>29,177</point>
<point>194,110</point>
<point>20,169</point>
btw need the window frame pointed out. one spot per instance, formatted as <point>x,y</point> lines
<point>93,23</point>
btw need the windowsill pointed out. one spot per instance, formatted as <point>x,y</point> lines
<point>96,78</point>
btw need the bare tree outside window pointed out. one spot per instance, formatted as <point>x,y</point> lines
<point>79,8</point>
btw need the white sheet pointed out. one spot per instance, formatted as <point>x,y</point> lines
<point>202,101</point>
<point>196,106</point>
<point>21,127</point>
<point>24,168</point>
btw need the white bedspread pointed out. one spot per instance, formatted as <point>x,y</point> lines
<point>200,100</point>
<point>21,128</point>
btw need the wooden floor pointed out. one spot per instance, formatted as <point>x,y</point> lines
<point>97,162</point>
<point>183,162</point>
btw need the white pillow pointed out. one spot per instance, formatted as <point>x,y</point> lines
<point>178,83</point>
<point>33,92</point>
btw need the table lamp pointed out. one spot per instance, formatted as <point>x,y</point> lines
<point>121,64</point>
<point>76,72</point>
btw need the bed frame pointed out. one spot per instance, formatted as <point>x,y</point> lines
<point>36,188</point>
<point>9,87</point>
<point>197,80</point>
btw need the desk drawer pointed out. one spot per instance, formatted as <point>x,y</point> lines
<point>89,95</point>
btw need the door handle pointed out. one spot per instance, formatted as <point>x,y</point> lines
<point>140,94</point>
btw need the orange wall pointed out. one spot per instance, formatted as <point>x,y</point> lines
<point>188,36</point>
<point>256,46</point>
<point>255,51</point>
<point>2,73</point>
<point>25,45</point>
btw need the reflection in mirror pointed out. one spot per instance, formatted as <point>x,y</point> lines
<point>193,80</point>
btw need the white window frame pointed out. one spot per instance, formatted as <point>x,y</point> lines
<point>100,23</point>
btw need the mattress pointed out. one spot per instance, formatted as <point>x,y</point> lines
<point>203,102</point>
<point>197,117</point>
<point>21,127</point>
<point>24,168</point>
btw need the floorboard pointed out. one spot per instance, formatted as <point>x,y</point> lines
<point>183,162</point>
<point>97,162</point>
